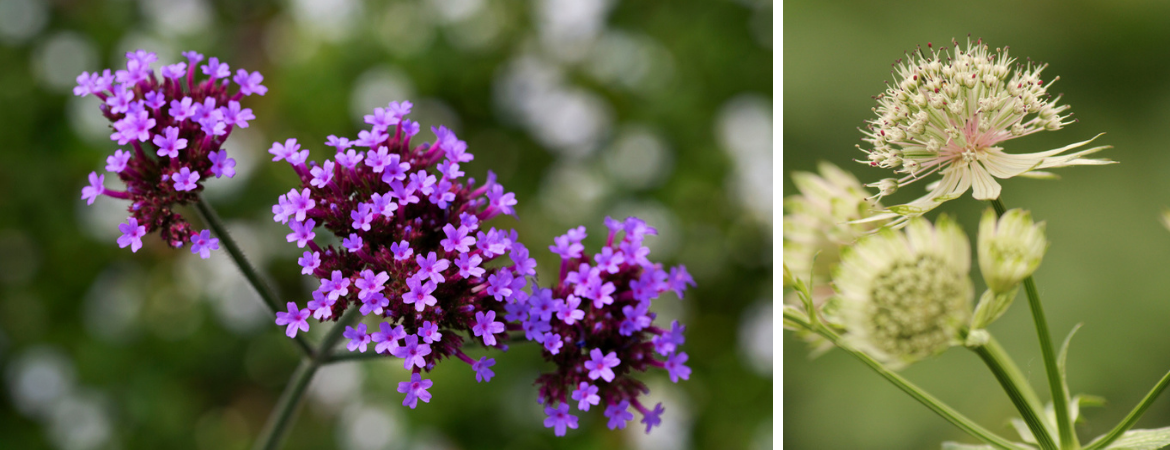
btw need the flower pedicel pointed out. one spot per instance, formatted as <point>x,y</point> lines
<point>176,126</point>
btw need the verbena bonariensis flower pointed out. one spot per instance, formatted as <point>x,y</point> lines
<point>595,324</point>
<point>413,250</point>
<point>947,114</point>
<point>175,125</point>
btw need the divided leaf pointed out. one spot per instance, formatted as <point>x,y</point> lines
<point>1140,440</point>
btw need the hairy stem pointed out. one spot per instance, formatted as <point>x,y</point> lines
<point>354,356</point>
<point>1133,416</point>
<point>1055,383</point>
<point>276,428</point>
<point>250,272</point>
<point>942,409</point>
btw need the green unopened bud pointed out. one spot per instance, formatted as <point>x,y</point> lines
<point>1010,248</point>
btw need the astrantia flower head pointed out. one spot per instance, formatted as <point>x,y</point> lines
<point>175,126</point>
<point>905,295</point>
<point>824,218</point>
<point>595,324</point>
<point>947,113</point>
<point>1010,249</point>
<point>413,248</point>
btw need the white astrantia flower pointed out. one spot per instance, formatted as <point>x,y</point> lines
<point>905,295</point>
<point>818,223</point>
<point>946,113</point>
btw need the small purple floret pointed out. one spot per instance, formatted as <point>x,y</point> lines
<point>203,244</point>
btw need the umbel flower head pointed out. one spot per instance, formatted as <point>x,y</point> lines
<point>413,250</point>
<point>1010,249</point>
<point>905,295</point>
<point>947,113</point>
<point>595,324</point>
<point>175,125</point>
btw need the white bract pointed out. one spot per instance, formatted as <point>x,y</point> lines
<point>947,114</point>
<point>906,295</point>
<point>818,221</point>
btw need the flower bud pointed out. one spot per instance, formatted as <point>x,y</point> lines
<point>1010,248</point>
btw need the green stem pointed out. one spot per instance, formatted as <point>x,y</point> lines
<point>353,356</point>
<point>1133,416</point>
<point>946,412</point>
<point>250,272</point>
<point>1027,411</point>
<point>1013,371</point>
<point>1055,383</point>
<point>276,429</point>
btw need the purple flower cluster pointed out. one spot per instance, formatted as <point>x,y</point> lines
<point>413,250</point>
<point>595,324</point>
<point>175,126</point>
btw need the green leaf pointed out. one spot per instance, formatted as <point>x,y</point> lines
<point>1023,430</point>
<point>1141,440</point>
<point>1080,401</point>
<point>958,446</point>
<point>1060,367</point>
<point>1064,350</point>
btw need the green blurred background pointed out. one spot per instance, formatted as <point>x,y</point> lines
<point>584,109</point>
<point>1108,256</point>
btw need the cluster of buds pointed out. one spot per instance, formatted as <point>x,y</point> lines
<point>960,104</point>
<point>176,126</point>
<point>595,324</point>
<point>413,251</point>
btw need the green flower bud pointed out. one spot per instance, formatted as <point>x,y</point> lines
<point>1010,249</point>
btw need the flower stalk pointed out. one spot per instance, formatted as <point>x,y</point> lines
<point>276,428</point>
<point>1132,417</point>
<point>995,361</point>
<point>942,409</point>
<point>1055,383</point>
<point>250,273</point>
